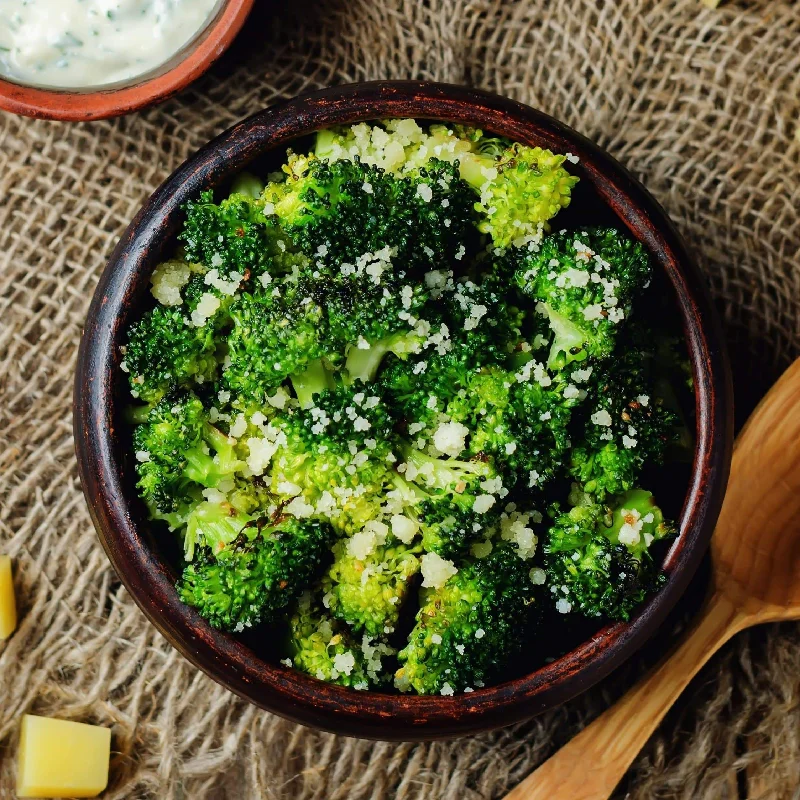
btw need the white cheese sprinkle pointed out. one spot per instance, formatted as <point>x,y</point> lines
<point>483,502</point>
<point>563,606</point>
<point>538,576</point>
<point>425,192</point>
<point>450,437</point>
<point>436,571</point>
<point>601,417</point>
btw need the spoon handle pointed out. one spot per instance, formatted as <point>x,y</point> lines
<point>591,765</point>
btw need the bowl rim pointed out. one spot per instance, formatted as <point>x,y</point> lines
<point>78,105</point>
<point>227,660</point>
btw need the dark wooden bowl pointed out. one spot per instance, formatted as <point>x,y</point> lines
<point>105,457</point>
<point>186,66</point>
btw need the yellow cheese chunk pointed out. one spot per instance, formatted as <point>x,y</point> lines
<point>58,758</point>
<point>8,606</point>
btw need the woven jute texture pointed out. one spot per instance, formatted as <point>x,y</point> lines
<point>703,105</point>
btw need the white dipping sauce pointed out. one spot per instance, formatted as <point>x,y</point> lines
<point>84,43</point>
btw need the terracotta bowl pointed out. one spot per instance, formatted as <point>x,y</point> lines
<point>249,667</point>
<point>185,66</point>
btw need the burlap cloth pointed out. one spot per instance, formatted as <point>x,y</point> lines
<point>703,104</point>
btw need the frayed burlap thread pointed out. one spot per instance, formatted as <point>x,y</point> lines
<point>702,104</point>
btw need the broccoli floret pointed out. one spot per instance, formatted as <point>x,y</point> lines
<point>321,647</point>
<point>178,448</point>
<point>420,386</point>
<point>449,523</point>
<point>371,311</point>
<point>597,557</point>
<point>478,328</point>
<point>260,573</point>
<point>337,454</point>
<point>370,579</point>
<point>467,630</point>
<point>456,500</point>
<point>484,323</point>
<point>584,283</point>
<point>276,333</point>
<point>316,378</point>
<point>166,350</point>
<point>625,424</point>
<point>519,418</point>
<point>520,187</point>
<point>235,238</point>
<point>343,210</point>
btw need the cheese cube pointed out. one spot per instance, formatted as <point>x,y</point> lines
<point>58,758</point>
<point>8,606</point>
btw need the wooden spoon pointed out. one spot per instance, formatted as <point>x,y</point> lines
<point>755,555</point>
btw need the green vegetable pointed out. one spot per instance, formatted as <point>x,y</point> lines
<point>235,237</point>
<point>365,380</point>
<point>598,558</point>
<point>276,334</point>
<point>178,451</point>
<point>468,629</point>
<point>584,283</point>
<point>343,210</point>
<point>625,424</point>
<point>165,351</point>
<point>320,647</point>
<point>521,188</point>
<point>368,592</point>
<point>258,574</point>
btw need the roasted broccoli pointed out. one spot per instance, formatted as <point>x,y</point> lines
<point>166,350</point>
<point>383,409</point>
<point>322,648</point>
<point>584,283</point>
<point>337,455</point>
<point>177,448</point>
<point>370,579</point>
<point>236,238</point>
<point>598,560</point>
<point>258,574</point>
<point>342,210</point>
<point>519,187</point>
<point>468,628</point>
<point>625,424</point>
<point>277,332</point>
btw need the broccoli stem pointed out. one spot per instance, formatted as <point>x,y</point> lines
<point>248,184</point>
<point>213,524</point>
<point>324,144</point>
<point>317,378</point>
<point>471,166</point>
<point>207,469</point>
<point>363,363</point>
<point>444,473</point>
<point>137,415</point>
<point>568,343</point>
